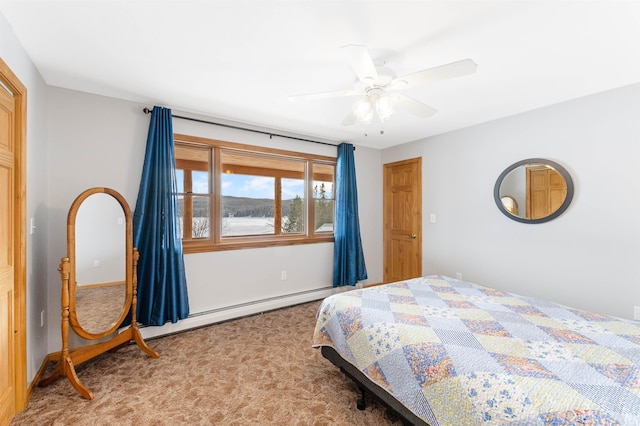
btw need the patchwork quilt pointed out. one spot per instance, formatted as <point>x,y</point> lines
<point>457,353</point>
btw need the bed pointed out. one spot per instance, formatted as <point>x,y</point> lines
<point>441,351</point>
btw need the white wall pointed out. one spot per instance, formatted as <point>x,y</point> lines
<point>99,141</point>
<point>589,256</point>
<point>16,58</point>
<point>369,176</point>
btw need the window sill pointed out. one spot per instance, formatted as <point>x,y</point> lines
<point>202,247</point>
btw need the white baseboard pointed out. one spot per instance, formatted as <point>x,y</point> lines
<point>237,311</point>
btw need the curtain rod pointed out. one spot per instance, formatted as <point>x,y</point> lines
<point>271,135</point>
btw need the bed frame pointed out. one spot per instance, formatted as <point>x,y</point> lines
<point>365,385</point>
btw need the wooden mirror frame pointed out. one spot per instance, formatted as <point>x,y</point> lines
<point>530,161</point>
<point>71,254</point>
<point>69,358</point>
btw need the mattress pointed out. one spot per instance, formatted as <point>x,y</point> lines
<point>457,353</point>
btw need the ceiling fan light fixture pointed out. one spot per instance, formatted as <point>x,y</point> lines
<point>363,110</point>
<point>385,106</point>
<point>380,104</point>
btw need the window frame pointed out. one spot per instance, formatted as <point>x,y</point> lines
<point>216,242</point>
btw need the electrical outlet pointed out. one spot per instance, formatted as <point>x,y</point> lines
<point>283,275</point>
<point>459,276</point>
<point>96,263</point>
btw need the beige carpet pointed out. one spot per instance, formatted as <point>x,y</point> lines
<point>259,370</point>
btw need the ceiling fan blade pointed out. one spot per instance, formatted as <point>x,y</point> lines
<point>360,61</point>
<point>454,69</point>
<point>349,119</point>
<point>413,106</point>
<point>323,95</point>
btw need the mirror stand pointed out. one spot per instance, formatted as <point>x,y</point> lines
<point>69,358</point>
<point>99,283</point>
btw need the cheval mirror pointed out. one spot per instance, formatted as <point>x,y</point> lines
<point>99,282</point>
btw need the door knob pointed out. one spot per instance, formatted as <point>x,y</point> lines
<point>413,236</point>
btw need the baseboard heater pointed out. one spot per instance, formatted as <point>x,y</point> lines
<point>225,313</point>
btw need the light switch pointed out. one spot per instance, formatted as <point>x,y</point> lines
<point>432,218</point>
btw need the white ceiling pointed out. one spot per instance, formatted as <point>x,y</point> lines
<point>241,60</point>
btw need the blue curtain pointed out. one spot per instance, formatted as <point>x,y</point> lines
<point>162,284</point>
<point>348,258</point>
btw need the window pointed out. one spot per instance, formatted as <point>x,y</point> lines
<point>194,198</point>
<point>233,196</point>
<point>323,197</point>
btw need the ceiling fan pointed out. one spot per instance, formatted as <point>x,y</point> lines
<point>379,84</point>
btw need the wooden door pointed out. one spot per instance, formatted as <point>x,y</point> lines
<point>402,203</point>
<point>12,247</point>
<point>557,190</point>
<point>546,191</point>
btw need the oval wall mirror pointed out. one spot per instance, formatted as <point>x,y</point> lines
<point>534,190</point>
